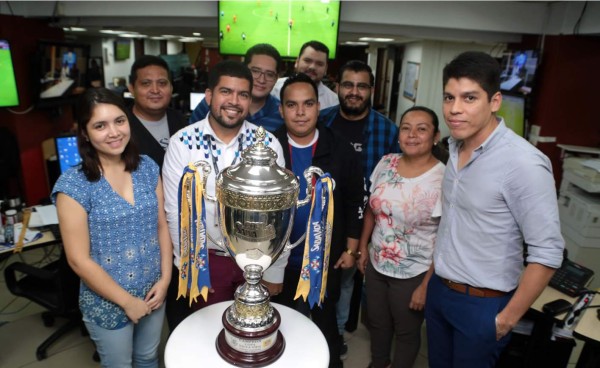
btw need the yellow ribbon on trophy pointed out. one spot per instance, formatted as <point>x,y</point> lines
<point>193,265</point>
<point>312,285</point>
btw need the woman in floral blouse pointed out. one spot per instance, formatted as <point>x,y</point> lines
<point>401,220</point>
<point>115,235</point>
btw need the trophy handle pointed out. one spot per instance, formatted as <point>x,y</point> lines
<point>205,170</point>
<point>308,174</point>
<point>204,173</point>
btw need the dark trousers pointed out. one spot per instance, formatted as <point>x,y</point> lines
<point>389,316</point>
<point>225,277</point>
<point>324,316</point>
<point>461,329</point>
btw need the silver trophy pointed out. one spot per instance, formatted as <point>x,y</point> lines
<point>257,201</point>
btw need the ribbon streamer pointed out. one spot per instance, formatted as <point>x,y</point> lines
<point>312,284</point>
<point>194,277</point>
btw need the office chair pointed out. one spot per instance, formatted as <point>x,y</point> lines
<point>55,287</point>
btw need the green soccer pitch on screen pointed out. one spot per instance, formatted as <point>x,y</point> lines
<point>9,96</point>
<point>285,24</point>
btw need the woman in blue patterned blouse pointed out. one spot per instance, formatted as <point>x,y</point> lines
<point>115,235</point>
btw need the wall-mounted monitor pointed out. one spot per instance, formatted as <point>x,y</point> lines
<point>285,24</point>
<point>62,71</point>
<point>518,71</point>
<point>513,112</point>
<point>9,95</point>
<point>122,49</point>
<point>67,152</point>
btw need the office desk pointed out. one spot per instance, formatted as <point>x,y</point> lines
<point>46,239</point>
<point>587,328</point>
<point>192,343</point>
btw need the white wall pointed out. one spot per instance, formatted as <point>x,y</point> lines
<point>113,68</point>
<point>432,56</point>
<point>412,52</point>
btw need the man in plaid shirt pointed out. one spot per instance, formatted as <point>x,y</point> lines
<point>371,133</point>
<point>373,136</point>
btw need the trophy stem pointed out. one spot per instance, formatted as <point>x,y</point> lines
<point>251,337</point>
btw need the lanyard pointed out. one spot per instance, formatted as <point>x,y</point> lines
<point>215,160</point>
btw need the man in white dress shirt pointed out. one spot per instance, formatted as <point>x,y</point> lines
<point>218,140</point>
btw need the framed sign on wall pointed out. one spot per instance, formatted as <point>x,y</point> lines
<point>411,80</point>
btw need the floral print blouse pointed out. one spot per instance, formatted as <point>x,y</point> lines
<point>407,213</point>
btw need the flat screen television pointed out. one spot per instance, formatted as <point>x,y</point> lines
<point>62,71</point>
<point>9,96</point>
<point>67,152</point>
<point>513,112</point>
<point>285,24</point>
<point>122,49</point>
<point>518,70</point>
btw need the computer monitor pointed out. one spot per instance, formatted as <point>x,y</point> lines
<point>9,96</point>
<point>513,112</point>
<point>195,99</point>
<point>67,152</point>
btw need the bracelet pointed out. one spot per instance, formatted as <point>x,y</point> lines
<point>355,254</point>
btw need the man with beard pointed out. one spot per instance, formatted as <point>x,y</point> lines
<point>373,136</point>
<point>152,121</point>
<point>218,140</point>
<point>312,62</point>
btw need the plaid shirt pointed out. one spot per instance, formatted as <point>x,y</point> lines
<point>380,138</point>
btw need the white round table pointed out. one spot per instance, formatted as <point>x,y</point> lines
<point>192,344</point>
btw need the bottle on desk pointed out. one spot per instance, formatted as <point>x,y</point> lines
<point>9,230</point>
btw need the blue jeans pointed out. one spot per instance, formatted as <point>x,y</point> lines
<point>342,308</point>
<point>461,329</point>
<point>133,345</point>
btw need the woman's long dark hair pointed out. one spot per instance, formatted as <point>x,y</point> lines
<point>90,163</point>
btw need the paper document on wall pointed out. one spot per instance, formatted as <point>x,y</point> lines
<point>592,164</point>
<point>43,215</point>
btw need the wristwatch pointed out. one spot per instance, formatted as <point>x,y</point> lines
<point>355,254</point>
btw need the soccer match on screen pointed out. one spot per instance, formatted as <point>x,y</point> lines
<point>284,24</point>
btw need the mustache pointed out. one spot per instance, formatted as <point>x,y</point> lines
<point>232,106</point>
<point>353,96</point>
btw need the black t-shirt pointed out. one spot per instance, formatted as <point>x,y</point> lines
<point>352,130</point>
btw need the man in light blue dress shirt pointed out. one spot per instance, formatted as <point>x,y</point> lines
<point>498,193</point>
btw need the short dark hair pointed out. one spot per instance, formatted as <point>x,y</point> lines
<point>263,49</point>
<point>229,68</point>
<point>297,78</point>
<point>318,46</point>
<point>90,163</point>
<point>144,61</point>
<point>357,66</point>
<point>434,118</point>
<point>477,66</point>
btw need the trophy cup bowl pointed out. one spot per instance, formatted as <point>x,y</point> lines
<point>257,201</point>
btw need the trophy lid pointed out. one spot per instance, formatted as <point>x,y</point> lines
<point>257,182</point>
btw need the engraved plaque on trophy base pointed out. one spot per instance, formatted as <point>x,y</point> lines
<point>250,349</point>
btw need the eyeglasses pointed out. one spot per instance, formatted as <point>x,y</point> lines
<point>269,75</point>
<point>362,87</point>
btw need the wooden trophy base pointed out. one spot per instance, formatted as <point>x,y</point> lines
<point>250,349</point>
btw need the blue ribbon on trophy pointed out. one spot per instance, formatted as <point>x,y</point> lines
<point>194,277</point>
<point>312,284</point>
